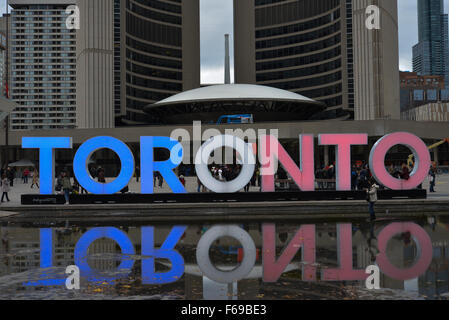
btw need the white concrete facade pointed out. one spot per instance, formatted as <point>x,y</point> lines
<point>376,62</point>
<point>95,65</point>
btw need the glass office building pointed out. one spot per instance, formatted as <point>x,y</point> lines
<point>431,54</point>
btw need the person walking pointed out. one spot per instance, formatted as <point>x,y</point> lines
<point>200,185</point>
<point>183,180</point>
<point>66,186</point>
<point>10,175</point>
<point>432,175</point>
<point>26,174</point>
<point>5,187</point>
<point>35,181</point>
<point>372,198</point>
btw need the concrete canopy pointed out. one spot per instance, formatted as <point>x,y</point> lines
<point>207,104</point>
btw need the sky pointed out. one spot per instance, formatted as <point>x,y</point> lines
<point>217,20</point>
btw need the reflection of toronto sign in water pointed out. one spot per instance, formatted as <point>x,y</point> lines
<point>270,152</point>
<point>273,266</point>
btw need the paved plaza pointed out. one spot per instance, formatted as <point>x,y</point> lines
<point>19,188</point>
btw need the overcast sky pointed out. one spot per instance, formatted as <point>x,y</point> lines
<point>216,20</point>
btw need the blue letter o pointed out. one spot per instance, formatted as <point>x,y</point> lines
<point>82,174</point>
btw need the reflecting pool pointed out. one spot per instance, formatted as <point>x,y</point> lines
<point>308,260</point>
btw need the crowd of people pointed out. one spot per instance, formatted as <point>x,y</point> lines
<point>228,173</point>
<point>361,179</point>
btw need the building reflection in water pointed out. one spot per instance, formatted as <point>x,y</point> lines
<point>20,253</point>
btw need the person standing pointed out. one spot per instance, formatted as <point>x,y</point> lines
<point>26,174</point>
<point>5,187</point>
<point>101,175</point>
<point>372,198</point>
<point>183,180</point>
<point>405,175</point>
<point>66,186</point>
<point>35,181</point>
<point>432,175</point>
<point>137,172</point>
<point>161,180</point>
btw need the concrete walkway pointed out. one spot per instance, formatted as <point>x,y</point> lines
<point>222,212</point>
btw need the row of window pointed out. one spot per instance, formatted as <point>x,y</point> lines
<point>37,19</point>
<point>37,66</point>
<point>298,27</point>
<point>53,105</point>
<point>307,83</point>
<point>301,49</point>
<point>47,73</point>
<point>35,84</point>
<point>44,55</point>
<point>44,60</point>
<point>16,97</point>
<point>303,72</point>
<point>39,25</point>
<point>160,5</point>
<point>59,127</point>
<point>43,43</point>
<point>146,94</point>
<point>154,15</point>
<point>145,71</point>
<point>37,91</point>
<point>299,61</point>
<point>153,32</point>
<point>322,92</point>
<point>38,34</point>
<point>43,115</point>
<point>309,36</point>
<point>150,48</point>
<point>38,50</point>
<point>44,121</point>
<point>293,11</point>
<point>166,63</point>
<point>153,84</point>
<point>264,2</point>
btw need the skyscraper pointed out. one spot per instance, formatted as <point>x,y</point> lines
<point>431,54</point>
<point>43,65</point>
<point>321,49</point>
<point>160,53</point>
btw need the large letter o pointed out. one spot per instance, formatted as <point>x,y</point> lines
<point>115,234</point>
<point>423,244</point>
<point>82,174</point>
<point>202,169</point>
<point>422,161</point>
<point>203,258</point>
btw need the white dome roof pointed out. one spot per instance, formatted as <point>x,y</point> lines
<point>234,92</point>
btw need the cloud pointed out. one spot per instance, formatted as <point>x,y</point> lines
<point>213,75</point>
<point>216,20</point>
